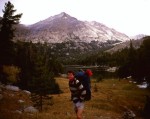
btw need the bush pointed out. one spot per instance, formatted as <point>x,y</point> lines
<point>11,73</point>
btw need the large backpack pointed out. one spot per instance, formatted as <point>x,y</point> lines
<point>85,80</point>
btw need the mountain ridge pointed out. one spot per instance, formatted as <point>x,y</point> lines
<point>63,27</point>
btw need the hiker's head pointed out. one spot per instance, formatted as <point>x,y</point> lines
<point>70,75</point>
<point>89,72</point>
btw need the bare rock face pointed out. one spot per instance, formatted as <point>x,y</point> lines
<point>63,27</point>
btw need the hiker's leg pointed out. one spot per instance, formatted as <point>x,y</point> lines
<point>80,108</point>
<point>79,113</point>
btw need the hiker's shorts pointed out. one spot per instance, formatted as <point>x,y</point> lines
<point>79,105</point>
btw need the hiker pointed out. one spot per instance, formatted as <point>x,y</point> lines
<point>84,77</point>
<point>77,94</point>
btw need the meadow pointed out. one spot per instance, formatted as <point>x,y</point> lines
<point>110,99</point>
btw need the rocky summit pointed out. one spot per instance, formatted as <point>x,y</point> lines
<point>63,27</point>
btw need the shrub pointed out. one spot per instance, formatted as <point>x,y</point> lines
<point>11,73</point>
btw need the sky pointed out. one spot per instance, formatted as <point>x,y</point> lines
<point>131,17</point>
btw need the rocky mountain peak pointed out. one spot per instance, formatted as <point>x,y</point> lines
<point>63,15</point>
<point>63,27</point>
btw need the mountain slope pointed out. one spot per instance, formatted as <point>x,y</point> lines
<point>62,27</point>
<point>139,36</point>
<point>136,44</point>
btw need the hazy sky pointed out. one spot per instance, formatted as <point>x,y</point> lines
<point>131,17</point>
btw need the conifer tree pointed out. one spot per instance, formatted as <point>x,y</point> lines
<point>144,59</point>
<point>131,59</point>
<point>7,33</point>
<point>42,81</point>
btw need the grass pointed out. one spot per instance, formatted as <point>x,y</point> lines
<point>108,102</point>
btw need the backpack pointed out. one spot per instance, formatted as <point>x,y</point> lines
<point>85,80</point>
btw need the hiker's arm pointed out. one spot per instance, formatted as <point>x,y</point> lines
<point>83,93</point>
<point>81,89</point>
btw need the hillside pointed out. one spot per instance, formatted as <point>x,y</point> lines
<point>136,44</point>
<point>112,99</point>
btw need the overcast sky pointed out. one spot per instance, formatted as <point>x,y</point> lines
<point>131,17</point>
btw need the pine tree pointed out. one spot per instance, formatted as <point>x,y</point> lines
<point>42,81</point>
<point>144,59</point>
<point>131,59</point>
<point>7,33</point>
